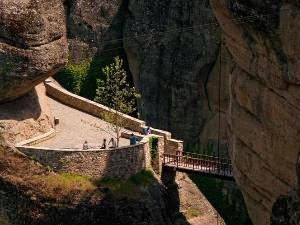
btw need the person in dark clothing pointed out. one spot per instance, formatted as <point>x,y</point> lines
<point>104,144</point>
<point>113,143</point>
<point>132,139</point>
<point>85,146</point>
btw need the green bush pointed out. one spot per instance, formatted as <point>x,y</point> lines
<point>153,144</point>
<point>72,76</point>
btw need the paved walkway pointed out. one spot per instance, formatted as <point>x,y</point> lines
<point>75,127</point>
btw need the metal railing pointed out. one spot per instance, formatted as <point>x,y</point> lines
<point>201,163</point>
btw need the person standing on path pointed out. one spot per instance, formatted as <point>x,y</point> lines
<point>113,143</point>
<point>104,144</point>
<point>132,139</point>
<point>85,146</point>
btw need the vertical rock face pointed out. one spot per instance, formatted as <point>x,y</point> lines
<point>92,25</point>
<point>172,47</point>
<point>262,38</point>
<point>286,209</point>
<point>32,44</point>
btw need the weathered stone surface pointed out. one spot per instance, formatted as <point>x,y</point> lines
<point>117,163</point>
<point>286,209</point>
<point>93,25</point>
<point>26,117</point>
<point>172,52</point>
<point>264,111</point>
<point>32,44</point>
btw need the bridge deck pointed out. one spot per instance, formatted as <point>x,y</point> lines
<point>208,165</point>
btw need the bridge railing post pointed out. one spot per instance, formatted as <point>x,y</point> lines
<point>193,164</point>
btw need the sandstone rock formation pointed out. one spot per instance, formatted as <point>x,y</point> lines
<point>262,38</point>
<point>32,44</point>
<point>92,25</point>
<point>286,209</point>
<point>172,48</point>
<point>26,117</point>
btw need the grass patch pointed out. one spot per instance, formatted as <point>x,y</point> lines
<point>126,188</point>
<point>143,178</point>
<point>68,180</point>
<point>66,186</point>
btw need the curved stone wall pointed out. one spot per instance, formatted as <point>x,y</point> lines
<point>97,163</point>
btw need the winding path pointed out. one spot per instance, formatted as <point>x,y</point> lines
<point>75,127</point>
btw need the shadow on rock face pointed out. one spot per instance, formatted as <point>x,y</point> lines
<point>173,202</point>
<point>25,107</point>
<point>286,209</point>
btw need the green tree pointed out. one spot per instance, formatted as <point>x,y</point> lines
<point>114,91</point>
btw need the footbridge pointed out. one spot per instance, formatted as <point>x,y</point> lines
<point>203,164</point>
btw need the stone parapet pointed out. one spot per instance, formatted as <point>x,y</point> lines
<point>97,163</point>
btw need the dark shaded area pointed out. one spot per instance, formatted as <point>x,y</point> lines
<point>173,202</point>
<point>225,197</point>
<point>286,209</point>
<point>262,15</point>
<point>24,107</point>
<point>100,207</point>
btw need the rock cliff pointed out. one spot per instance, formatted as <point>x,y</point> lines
<point>262,38</point>
<point>32,44</point>
<point>172,49</point>
<point>93,26</point>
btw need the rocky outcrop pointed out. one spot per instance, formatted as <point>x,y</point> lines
<point>262,38</point>
<point>32,44</point>
<point>172,49</point>
<point>26,117</point>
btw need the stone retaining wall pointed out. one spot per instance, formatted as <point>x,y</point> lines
<point>117,163</point>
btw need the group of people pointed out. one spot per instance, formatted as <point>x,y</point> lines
<point>112,142</point>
